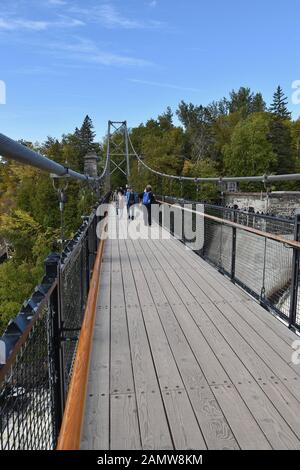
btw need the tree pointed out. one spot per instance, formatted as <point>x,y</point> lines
<point>250,152</point>
<point>87,135</point>
<point>245,102</point>
<point>281,141</point>
<point>258,104</point>
<point>205,168</point>
<point>279,105</point>
<point>197,123</point>
<point>241,101</point>
<point>165,120</point>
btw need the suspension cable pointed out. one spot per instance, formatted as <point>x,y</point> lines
<point>225,179</point>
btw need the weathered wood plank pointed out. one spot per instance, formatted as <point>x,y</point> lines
<point>183,424</point>
<point>153,422</point>
<point>121,375</point>
<point>124,427</point>
<point>214,427</point>
<point>255,310</point>
<point>166,368</point>
<point>241,420</point>
<point>229,359</point>
<point>95,432</point>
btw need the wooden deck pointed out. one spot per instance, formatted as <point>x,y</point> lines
<point>184,359</point>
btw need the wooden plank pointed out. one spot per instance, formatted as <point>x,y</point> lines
<point>222,284</point>
<point>213,371</point>
<point>270,354</point>
<point>166,368</point>
<point>277,366</point>
<point>241,420</point>
<point>255,310</point>
<point>121,375</point>
<point>179,410</point>
<point>183,425</point>
<point>277,358</point>
<point>95,433</point>
<point>270,321</point>
<point>214,427</point>
<point>100,356</point>
<point>230,361</point>
<point>153,422</point>
<point>124,427</point>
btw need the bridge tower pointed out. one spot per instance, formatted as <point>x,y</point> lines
<point>118,156</point>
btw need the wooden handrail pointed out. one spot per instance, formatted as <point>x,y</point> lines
<point>271,236</point>
<point>70,432</point>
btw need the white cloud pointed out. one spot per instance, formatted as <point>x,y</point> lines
<point>19,23</point>
<point>13,24</point>
<point>112,18</point>
<point>153,3</point>
<point>108,16</point>
<point>87,51</point>
<point>57,2</point>
<point>163,85</point>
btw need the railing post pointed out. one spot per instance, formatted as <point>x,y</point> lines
<point>55,346</point>
<point>295,274</point>
<point>233,247</point>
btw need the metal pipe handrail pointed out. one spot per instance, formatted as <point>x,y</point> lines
<point>286,220</point>
<point>13,150</point>
<point>271,236</point>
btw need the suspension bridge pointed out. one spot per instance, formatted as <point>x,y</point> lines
<point>149,341</point>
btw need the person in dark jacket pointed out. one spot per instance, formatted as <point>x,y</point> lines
<point>148,200</point>
<point>131,200</point>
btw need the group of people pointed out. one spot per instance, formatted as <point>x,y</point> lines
<point>130,198</point>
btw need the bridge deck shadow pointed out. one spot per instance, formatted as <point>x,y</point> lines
<point>184,359</point>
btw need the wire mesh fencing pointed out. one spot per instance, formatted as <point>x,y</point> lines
<point>38,348</point>
<point>256,251</point>
<point>26,398</point>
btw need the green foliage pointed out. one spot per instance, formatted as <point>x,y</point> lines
<point>203,169</point>
<point>16,283</point>
<point>161,146</point>
<point>30,217</point>
<point>279,105</point>
<point>250,152</point>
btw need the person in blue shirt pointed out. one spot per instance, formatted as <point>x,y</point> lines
<point>148,199</point>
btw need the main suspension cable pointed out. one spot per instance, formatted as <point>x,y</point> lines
<point>221,179</point>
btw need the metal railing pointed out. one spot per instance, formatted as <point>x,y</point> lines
<point>257,252</point>
<point>38,348</point>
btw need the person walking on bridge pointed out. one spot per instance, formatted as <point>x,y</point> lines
<point>148,200</point>
<point>131,200</point>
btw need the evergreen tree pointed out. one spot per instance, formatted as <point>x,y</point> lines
<point>281,140</point>
<point>241,101</point>
<point>279,105</point>
<point>86,135</point>
<point>165,120</point>
<point>258,104</point>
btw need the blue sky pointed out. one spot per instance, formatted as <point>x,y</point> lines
<point>130,59</point>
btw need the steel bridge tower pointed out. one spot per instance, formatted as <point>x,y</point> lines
<point>118,157</point>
